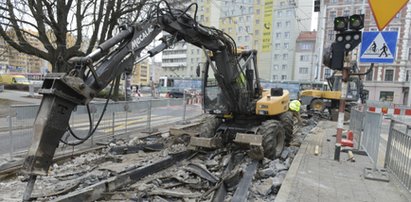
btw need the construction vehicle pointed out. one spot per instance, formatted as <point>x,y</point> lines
<point>320,99</point>
<point>232,91</point>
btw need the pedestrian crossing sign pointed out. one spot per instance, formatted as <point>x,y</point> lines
<point>378,47</point>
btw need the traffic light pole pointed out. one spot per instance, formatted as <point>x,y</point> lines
<point>341,110</point>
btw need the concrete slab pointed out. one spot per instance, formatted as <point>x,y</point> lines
<point>321,178</point>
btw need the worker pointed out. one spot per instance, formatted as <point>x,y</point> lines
<point>294,107</point>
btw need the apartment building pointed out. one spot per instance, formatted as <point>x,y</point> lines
<point>305,57</point>
<point>12,60</point>
<point>271,27</point>
<point>386,82</point>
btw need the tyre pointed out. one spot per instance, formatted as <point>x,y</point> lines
<point>288,125</point>
<point>317,105</point>
<point>273,138</point>
<point>208,126</point>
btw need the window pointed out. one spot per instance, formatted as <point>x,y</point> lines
<point>275,67</point>
<point>276,56</point>
<point>407,76</point>
<point>278,24</point>
<point>389,75</point>
<point>327,73</point>
<point>285,56</point>
<point>386,96</point>
<point>305,46</point>
<point>257,22</point>
<point>277,46</point>
<point>280,13</point>
<point>346,12</point>
<point>278,35</point>
<point>304,57</point>
<point>287,23</point>
<point>286,45</point>
<point>283,77</point>
<point>303,70</point>
<point>369,76</point>
<point>287,35</point>
<point>330,35</point>
<point>333,14</point>
<point>289,12</point>
<point>284,67</point>
<point>275,77</point>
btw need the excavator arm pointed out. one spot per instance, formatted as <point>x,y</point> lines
<point>62,92</point>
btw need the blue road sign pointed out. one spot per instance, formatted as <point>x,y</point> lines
<point>378,47</point>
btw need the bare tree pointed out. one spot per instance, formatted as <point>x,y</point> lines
<point>65,28</point>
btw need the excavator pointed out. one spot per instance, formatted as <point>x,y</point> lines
<point>320,99</point>
<point>239,109</point>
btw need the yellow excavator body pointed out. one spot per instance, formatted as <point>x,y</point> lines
<point>273,105</point>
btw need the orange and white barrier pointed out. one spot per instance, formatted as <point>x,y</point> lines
<point>387,108</point>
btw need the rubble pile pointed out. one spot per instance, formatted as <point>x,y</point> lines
<point>194,179</point>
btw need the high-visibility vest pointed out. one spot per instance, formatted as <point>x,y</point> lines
<point>295,105</point>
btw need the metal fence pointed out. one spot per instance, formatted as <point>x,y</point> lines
<point>370,141</point>
<point>119,119</point>
<point>356,124</point>
<point>398,153</point>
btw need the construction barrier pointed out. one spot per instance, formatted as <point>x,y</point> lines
<point>388,108</point>
<point>398,153</point>
<point>356,124</point>
<point>370,141</point>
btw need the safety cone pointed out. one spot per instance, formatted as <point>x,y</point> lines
<point>350,135</point>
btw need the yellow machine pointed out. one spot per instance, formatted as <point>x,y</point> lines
<point>318,100</point>
<point>10,79</point>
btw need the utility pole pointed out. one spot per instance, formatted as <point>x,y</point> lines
<point>347,38</point>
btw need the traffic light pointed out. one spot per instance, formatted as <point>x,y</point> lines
<point>341,24</point>
<point>344,42</point>
<point>347,38</point>
<point>357,22</point>
<point>317,5</point>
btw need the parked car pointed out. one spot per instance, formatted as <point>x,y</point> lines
<point>176,93</point>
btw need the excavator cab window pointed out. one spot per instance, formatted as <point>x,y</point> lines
<point>214,102</point>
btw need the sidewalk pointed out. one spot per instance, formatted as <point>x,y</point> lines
<point>321,178</point>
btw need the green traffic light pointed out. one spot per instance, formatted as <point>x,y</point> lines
<point>340,23</point>
<point>357,22</point>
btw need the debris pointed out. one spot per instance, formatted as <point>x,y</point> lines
<point>265,188</point>
<point>241,192</point>
<point>265,173</point>
<point>316,150</point>
<point>202,172</point>
<point>69,188</point>
<point>119,150</point>
<point>176,194</point>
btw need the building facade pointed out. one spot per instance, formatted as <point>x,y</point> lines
<point>386,82</point>
<point>305,56</point>
<point>271,27</point>
<point>12,60</point>
<point>141,74</point>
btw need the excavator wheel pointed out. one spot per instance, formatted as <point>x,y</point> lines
<point>273,138</point>
<point>317,105</point>
<point>208,126</point>
<point>288,125</point>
